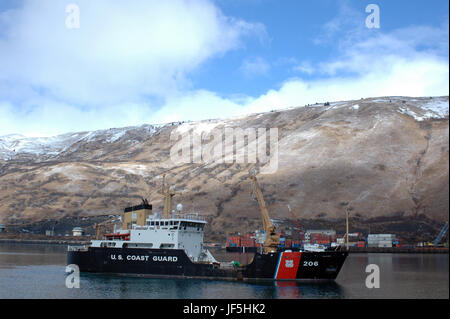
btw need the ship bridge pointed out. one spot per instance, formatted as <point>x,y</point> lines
<point>178,232</point>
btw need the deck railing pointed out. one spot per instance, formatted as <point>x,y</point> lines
<point>77,248</point>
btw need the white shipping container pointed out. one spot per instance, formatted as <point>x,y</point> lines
<point>381,236</point>
<point>385,243</point>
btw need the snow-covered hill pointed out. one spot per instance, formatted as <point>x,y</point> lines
<point>14,145</point>
<point>385,156</point>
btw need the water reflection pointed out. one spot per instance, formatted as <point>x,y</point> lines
<point>100,285</point>
<point>302,290</point>
<point>38,271</point>
<point>12,255</point>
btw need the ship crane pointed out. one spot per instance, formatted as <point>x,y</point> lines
<point>98,229</point>
<point>441,234</point>
<point>272,238</point>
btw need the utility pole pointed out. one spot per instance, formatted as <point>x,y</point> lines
<point>347,210</point>
<point>346,217</point>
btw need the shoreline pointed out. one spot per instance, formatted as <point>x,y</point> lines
<point>399,250</point>
<point>44,241</point>
<point>352,250</point>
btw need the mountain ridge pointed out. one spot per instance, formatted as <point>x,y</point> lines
<point>385,156</point>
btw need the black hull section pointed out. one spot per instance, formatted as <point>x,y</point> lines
<point>241,249</point>
<point>175,263</point>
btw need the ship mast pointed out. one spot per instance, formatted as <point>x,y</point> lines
<point>272,238</point>
<point>168,194</point>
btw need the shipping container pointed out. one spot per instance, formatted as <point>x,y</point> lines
<point>385,243</point>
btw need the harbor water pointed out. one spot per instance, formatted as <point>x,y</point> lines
<point>38,271</point>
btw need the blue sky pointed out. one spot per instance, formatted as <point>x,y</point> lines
<point>292,30</point>
<point>136,62</point>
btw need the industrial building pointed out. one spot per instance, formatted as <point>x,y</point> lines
<point>77,231</point>
<point>381,240</point>
<point>50,232</point>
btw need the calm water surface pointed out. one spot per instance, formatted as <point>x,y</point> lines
<point>38,271</point>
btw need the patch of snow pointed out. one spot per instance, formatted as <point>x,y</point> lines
<point>336,105</point>
<point>355,107</point>
<point>70,171</point>
<point>137,169</point>
<point>381,100</point>
<point>438,108</point>
<point>13,144</point>
<point>198,127</point>
<point>116,136</point>
<point>407,111</point>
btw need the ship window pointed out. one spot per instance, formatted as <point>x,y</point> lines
<point>108,244</point>
<point>157,223</point>
<point>152,223</point>
<point>166,245</point>
<point>144,245</point>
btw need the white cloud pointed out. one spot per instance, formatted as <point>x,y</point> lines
<point>54,80</point>
<point>121,52</point>
<point>388,64</point>
<point>304,67</point>
<point>254,67</point>
<point>386,50</point>
<point>348,24</point>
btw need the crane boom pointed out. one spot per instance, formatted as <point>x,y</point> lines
<point>98,228</point>
<point>272,238</point>
<point>441,234</point>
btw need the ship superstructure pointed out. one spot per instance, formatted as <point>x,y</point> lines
<point>185,232</point>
